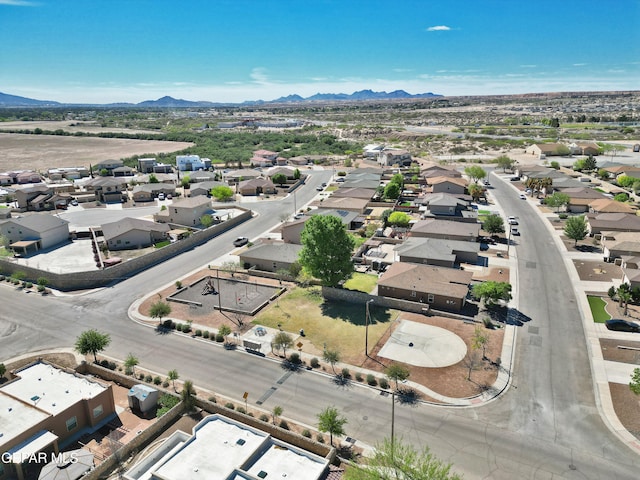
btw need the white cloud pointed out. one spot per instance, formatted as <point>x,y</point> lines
<point>580,64</point>
<point>18,3</point>
<point>402,70</point>
<point>259,76</point>
<point>528,66</point>
<point>438,28</point>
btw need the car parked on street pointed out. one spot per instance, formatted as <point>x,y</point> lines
<point>619,325</point>
<point>240,241</point>
<point>512,220</point>
<point>523,196</point>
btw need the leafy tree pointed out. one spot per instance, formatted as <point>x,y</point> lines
<point>159,309</point>
<point>555,165</point>
<point>492,292</point>
<point>392,191</point>
<point>130,363</point>
<point>384,216</point>
<point>480,340</point>
<point>104,172</point>
<point>397,373</point>
<point>279,178</point>
<point>153,179</point>
<point>399,219</point>
<point>576,228</point>
<point>554,122</point>
<point>331,357</point>
<point>330,421</point>
<point>603,174</point>
<point>562,150</point>
<point>282,341</point>
<point>296,174</point>
<point>590,164</point>
<point>634,385</point>
<point>476,191</point>
<point>327,248</point>
<point>222,193</point>
<point>625,181</point>
<point>624,296</point>
<point>395,460</point>
<point>185,182</point>
<point>276,412</point>
<point>557,200</point>
<point>206,220</point>
<point>505,163</point>
<point>188,395</point>
<point>92,341</point>
<point>3,370</point>
<point>225,331</point>
<point>398,179</point>
<point>173,376</point>
<point>493,224</point>
<point>475,173</point>
<point>621,197</point>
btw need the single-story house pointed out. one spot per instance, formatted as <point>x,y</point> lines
<point>612,222</point>
<point>344,203</point>
<point>546,149</point>
<point>453,185</point>
<point>445,229</point>
<point>204,188</point>
<point>185,211</point>
<point>291,231</point>
<point>270,257</point>
<point>200,176</point>
<point>256,186</point>
<point>437,251</point>
<point>440,288</point>
<point>628,170</point>
<point>28,176</point>
<point>620,244</point>
<point>439,171</point>
<point>580,198</point>
<point>290,173</point>
<point>363,193</point>
<point>34,232</point>
<point>631,271</point>
<point>235,176</point>
<point>132,233</point>
<point>123,172</point>
<point>350,219</point>
<point>148,191</point>
<point>607,205</point>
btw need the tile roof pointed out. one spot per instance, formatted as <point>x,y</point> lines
<point>449,282</point>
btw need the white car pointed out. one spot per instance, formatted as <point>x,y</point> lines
<point>523,196</point>
<point>512,220</point>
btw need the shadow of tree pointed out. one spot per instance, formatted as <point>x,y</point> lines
<point>507,315</point>
<point>161,330</point>
<point>354,313</point>
<point>408,396</point>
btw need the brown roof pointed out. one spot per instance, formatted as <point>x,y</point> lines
<point>606,205</point>
<point>458,181</point>
<point>582,192</point>
<point>354,192</point>
<point>191,202</point>
<point>450,282</point>
<point>446,227</point>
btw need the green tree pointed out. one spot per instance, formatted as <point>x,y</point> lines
<point>222,193</point>
<point>331,357</point>
<point>92,341</point>
<point>173,376</point>
<point>153,179</point>
<point>476,191</point>
<point>475,173</point>
<point>557,200</point>
<point>399,219</point>
<point>624,296</point>
<point>480,340</point>
<point>206,220</point>
<point>505,163</point>
<point>225,331</point>
<point>395,460</point>
<point>276,412</point>
<point>590,164</point>
<point>296,174</point>
<point>562,150</point>
<point>392,191</point>
<point>327,249</point>
<point>185,182</point>
<point>397,373</point>
<point>603,174</point>
<point>188,395</point>
<point>330,421</point>
<point>625,181</point>
<point>493,224</point>
<point>159,310</point>
<point>634,385</point>
<point>279,178</point>
<point>282,341</point>
<point>576,228</point>
<point>555,165</point>
<point>130,363</point>
<point>492,292</point>
<point>398,179</point>
<point>3,370</point>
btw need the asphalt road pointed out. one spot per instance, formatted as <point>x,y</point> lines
<point>545,426</point>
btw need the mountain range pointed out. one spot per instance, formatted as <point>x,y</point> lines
<point>7,100</point>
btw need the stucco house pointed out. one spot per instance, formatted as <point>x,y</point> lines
<point>108,165</point>
<point>437,251</point>
<point>446,229</point>
<point>34,232</point>
<point>363,193</point>
<point>107,189</point>
<point>256,186</point>
<point>452,185</point>
<point>580,198</point>
<point>631,271</point>
<point>149,191</point>
<point>620,244</point>
<point>391,156</point>
<point>440,288</point>
<point>270,257</point>
<point>612,222</point>
<point>204,188</point>
<point>25,195</point>
<point>358,205</point>
<point>546,149</point>
<point>291,231</point>
<point>607,205</point>
<point>185,211</point>
<point>132,233</point>
<point>450,207</point>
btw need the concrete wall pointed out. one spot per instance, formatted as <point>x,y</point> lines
<point>101,278</point>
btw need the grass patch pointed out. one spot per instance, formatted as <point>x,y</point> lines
<point>339,325</point>
<point>5,252</point>
<point>484,212</point>
<point>363,282</point>
<point>597,305</point>
<point>164,243</point>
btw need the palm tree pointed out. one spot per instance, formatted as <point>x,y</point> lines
<point>188,395</point>
<point>130,363</point>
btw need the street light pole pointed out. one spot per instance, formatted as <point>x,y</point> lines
<point>366,327</point>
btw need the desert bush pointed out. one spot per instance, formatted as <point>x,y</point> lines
<point>165,384</point>
<point>563,216</point>
<point>112,366</point>
<point>264,417</point>
<point>295,358</point>
<point>179,327</point>
<point>315,363</point>
<point>141,376</point>
<point>383,383</point>
<point>306,433</point>
<point>198,333</point>
<point>128,370</point>
<point>167,323</point>
<point>230,406</point>
<point>157,380</point>
<point>212,399</point>
<point>284,424</point>
<point>486,321</point>
<point>241,410</point>
<point>219,338</point>
<point>320,438</point>
<point>371,380</point>
<point>205,334</point>
<point>173,325</point>
<point>346,373</point>
<point>359,377</point>
<point>148,378</point>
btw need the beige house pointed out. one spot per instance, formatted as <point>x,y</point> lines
<point>270,257</point>
<point>390,156</point>
<point>451,185</point>
<point>133,233</point>
<point>445,229</point>
<point>185,211</point>
<point>620,244</point>
<point>546,149</point>
<point>440,288</point>
<point>607,205</point>
<point>613,222</point>
<point>256,186</point>
<point>291,230</point>
<point>34,232</point>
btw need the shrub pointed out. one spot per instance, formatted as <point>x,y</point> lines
<point>178,284</point>
<point>219,338</point>
<point>128,370</point>
<point>28,285</point>
<point>179,327</point>
<point>241,410</point>
<point>346,373</point>
<point>198,333</point>
<point>295,358</point>
<point>315,363</point>
<point>165,384</point>
<point>371,380</point>
<point>167,323</point>
<point>230,406</point>
<point>157,380</point>
<point>173,325</point>
<point>264,418</point>
<point>205,334</point>
<point>359,377</point>
<point>283,424</point>
<point>141,376</point>
<point>486,321</point>
<point>104,363</point>
<point>306,433</point>
<point>112,366</point>
<point>562,216</point>
<point>320,438</point>
<point>148,378</point>
<point>186,328</point>
<point>383,383</point>
<point>212,399</point>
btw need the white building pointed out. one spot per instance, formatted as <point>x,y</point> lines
<point>188,163</point>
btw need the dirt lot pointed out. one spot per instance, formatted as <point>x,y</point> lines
<point>42,152</point>
<point>597,271</point>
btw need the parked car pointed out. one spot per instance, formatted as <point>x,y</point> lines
<point>74,202</point>
<point>515,179</point>
<point>340,179</point>
<point>240,241</point>
<point>523,196</point>
<point>161,196</point>
<point>298,216</point>
<point>319,188</point>
<point>514,231</point>
<point>619,325</point>
<point>512,220</point>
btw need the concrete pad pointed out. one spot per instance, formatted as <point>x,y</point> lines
<point>618,372</point>
<point>432,347</point>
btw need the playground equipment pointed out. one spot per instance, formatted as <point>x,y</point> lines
<point>209,288</point>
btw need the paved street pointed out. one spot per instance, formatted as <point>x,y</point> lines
<point>546,426</point>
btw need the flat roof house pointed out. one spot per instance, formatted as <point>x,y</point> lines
<point>45,407</point>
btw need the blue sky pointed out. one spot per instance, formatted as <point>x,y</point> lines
<point>103,51</point>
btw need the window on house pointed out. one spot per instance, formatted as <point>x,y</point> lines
<point>72,423</point>
<point>97,411</point>
<point>430,298</point>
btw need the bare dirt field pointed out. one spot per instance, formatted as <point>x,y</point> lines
<point>41,152</point>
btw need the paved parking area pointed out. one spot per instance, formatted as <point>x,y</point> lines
<point>76,256</point>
